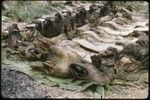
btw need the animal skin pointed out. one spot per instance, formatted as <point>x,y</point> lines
<point>91,73</point>
<point>61,62</point>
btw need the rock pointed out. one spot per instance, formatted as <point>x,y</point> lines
<point>15,84</point>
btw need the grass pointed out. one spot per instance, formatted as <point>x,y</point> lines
<point>26,10</point>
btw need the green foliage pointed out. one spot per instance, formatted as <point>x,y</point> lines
<point>26,10</point>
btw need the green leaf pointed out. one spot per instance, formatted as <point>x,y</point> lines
<point>100,90</point>
<point>58,80</point>
<point>76,85</point>
<point>96,96</point>
<point>70,87</point>
<point>40,77</point>
<point>47,82</point>
<point>36,74</point>
<point>88,84</point>
<point>78,82</point>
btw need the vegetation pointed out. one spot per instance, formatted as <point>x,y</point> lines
<point>26,10</point>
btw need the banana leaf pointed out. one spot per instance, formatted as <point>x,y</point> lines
<point>77,82</point>
<point>47,82</point>
<point>96,96</point>
<point>70,87</point>
<point>100,90</point>
<point>37,75</point>
<point>88,84</point>
<point>58,80</point>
